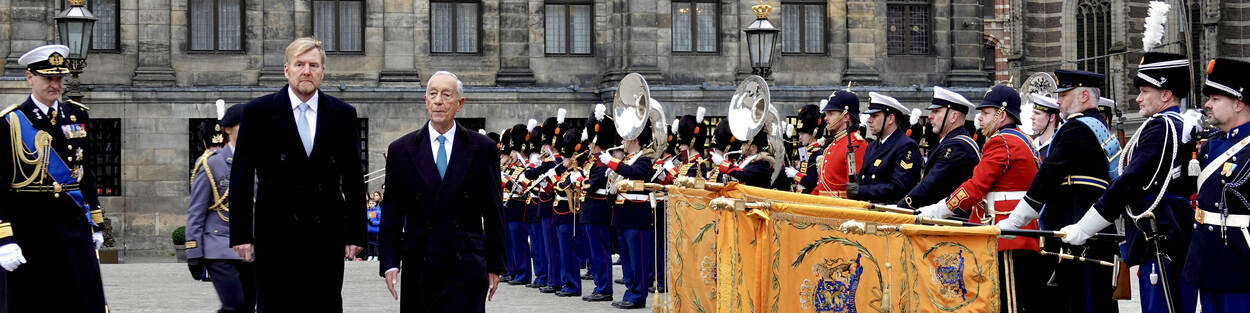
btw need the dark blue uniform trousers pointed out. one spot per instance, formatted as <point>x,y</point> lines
<point>627,270</point>
<point>519,252</point>
<point>1184,294</point>
<point>553,260</point>
<point>639,243</point>
<point>538,249</point>
<point>599,241</point>
<point>569,262</point>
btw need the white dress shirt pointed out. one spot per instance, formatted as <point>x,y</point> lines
<point>450,136</point>
<point>43,108</point>
<point>311,114</point>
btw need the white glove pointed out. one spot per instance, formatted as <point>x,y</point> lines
<point>1191,121</point>
<point>1090,224</point>
<point>1021,215</point>
<point>716,157</point>
<point>551,173</point>
<point>936,210</point>
<point>535,160</point>
<point>790,172</point>
<point>11,257</point>
<point>98,239</point>
<point>576,175</point>
<point>669,165</point>
<point>605,157</point>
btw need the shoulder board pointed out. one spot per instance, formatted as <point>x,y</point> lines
<point>9,109</point>
<point>77,104</point>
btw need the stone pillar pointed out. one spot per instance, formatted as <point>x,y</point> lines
<point>1043,34</point>
<point>30,26</point>
<point>865,41</point>
<point>279,31</point>
<point>967,33</point>
<point>1234,29</point>
<point>154,67</point>
<point>633,42</point>
<point>398,62</point>
<point>514,46</point>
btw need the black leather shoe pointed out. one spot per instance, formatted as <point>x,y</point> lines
<point>535,285</point>
<point>516,282</point>
<point>619,281</point>
<point>626,305</point>
<point>505,278</point>
<point>588,276</point>
<point>547,289</point>
<point>561,293</point>
<point>596,297</point>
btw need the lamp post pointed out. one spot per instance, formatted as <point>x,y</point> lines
<point>761,39</point>
<point>75,25</point>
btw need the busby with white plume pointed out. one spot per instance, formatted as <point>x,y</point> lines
<point>600,111</point>
<point>560,114</point>
<point>698,114</point>
<point>221,109</point>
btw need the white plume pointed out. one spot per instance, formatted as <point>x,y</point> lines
<point>560,115</point>
<point>530,125</point>
<point>1155,21</point>
<point>915,116</point>
<point>585,134</point>
<point>481,131</point>
<point>789,130</point>
<point>600,111</point>
<point>1026,120</point>
<point>674,127</point>
<point>221,109</point>
<point>698,114</point>
<point>976,121</point>
<point>823,102</point>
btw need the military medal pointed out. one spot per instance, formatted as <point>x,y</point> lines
<point>52,117</point>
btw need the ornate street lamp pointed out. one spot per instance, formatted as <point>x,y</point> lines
<point>761,39</point>
<point>75,25</point>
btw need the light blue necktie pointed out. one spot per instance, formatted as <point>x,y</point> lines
<point>441,160</point>
<point>305,133</point>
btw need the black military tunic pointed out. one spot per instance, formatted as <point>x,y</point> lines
<point>949,164</point>
<point>891,166</point>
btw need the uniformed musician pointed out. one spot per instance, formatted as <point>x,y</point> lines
<point>567,181</point>
<point>514,209</point>
<point>538,201</point>
<point>1007,166</point>
<point>208,222</point>
<point>952,160</point>
<point>543,199</point>
<point>691,138</point>
<point>49,227</point>
<point>1073,175</point>
<point>841,123</point>
<point>723,142</point>
<point>1045,121</point>
<point>756,168</point>
<point>893,162</point>
<point>1218,262</point>
<point>1152,179</point>
<point>632,215</point>
<point>596,215</point>
<point>810,126</point>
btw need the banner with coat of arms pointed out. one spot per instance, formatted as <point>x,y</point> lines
<point>819,254</point>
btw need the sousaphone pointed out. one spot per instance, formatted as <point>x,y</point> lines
<point>751,111</point>
<point>634,109</point>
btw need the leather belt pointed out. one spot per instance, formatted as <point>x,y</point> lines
<point>51,189</point>
<point>1085,180</point>
<point>1213,218</point>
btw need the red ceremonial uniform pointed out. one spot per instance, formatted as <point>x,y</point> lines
<point>1008,164</point>
<point>833,164</point>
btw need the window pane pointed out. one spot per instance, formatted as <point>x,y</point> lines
<point>555,25</point>
<point>581,29</point>
<point>895,40</point>
<point>230,31</point>
<point>681,27</point>
<point>919,41</point>
<point>466,27</point>
<point>323,24</point>
<point>790,31</point>
<point>440,27</point>
<point>350,26</point>
<point>104,37</point>
<point>202,25</point>
<point>813,28</point>
<point>705,13</point>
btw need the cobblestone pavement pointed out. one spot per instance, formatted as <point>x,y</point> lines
<point>166,287</point>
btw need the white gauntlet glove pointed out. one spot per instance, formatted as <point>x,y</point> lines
<point>11,257</point>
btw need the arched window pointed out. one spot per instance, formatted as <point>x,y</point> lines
<point>1093,34</point>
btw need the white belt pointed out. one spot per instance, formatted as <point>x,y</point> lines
<point>635,197</point>
<point>601,191</point>
<point>562,198</point>
<point>996,196</point>
<point>1213,218</point>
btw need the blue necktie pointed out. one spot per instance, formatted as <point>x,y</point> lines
<point>441,160</point>
<point>305,133</point>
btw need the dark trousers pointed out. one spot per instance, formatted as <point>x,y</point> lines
<point>599,241</point>
<point>518,252</point>
<point>639,243</point>
<point>581,246</point>
<point>1184,295</point>
<point>569,262</point>
<point>1083,286</point>
<point>235,283</point>
<point>627,270</point>
<point>443,283</point>
<point>1221,301</point>
<point>1022,282</point>
<point>299,275</point>
<point>660,244</point>
<point>538,249</point>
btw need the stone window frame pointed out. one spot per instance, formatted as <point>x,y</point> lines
<point>105,152</point>
<point>364,11</point>
<point>824,28</point>
<point>694,29</point>
<point>216,24</point>
<point>907,44</point>
<point>117,28</point>
<point>480,32</point>
<point>568,38</point>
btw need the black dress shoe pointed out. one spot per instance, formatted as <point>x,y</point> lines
<point>547,289</point>
<point>596,297</point>
<point>535,285</point>
<point>561,293</point>
<point>505,278</point>
<point>588,276</point>
<point>619,281</point>
<point>516,282</point>
<point>626,305</point>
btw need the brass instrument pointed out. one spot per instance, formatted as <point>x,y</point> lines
<point>751,111</point>
<point>1040,83</point>
<point>634,109</point>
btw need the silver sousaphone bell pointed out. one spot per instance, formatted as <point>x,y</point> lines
<point>634,109</point>
<point>751,111</point>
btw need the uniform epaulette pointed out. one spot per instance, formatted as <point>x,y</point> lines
<point>77,104</point>
<point>201,162</point>
<point>9,109</point>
